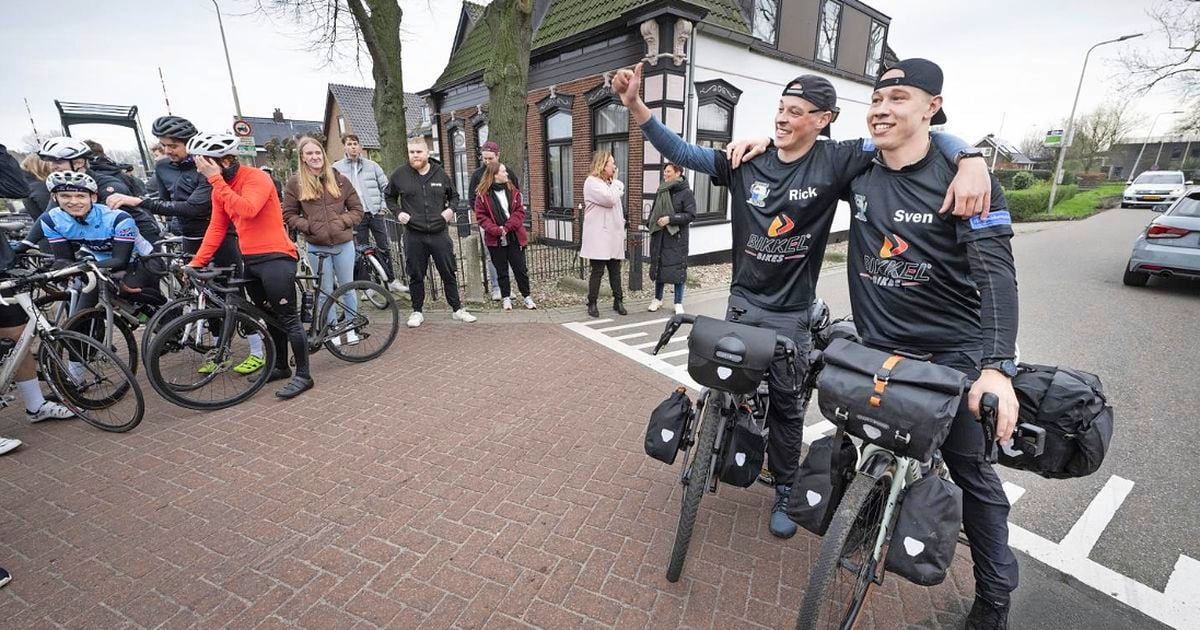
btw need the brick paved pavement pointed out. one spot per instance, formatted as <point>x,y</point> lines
<point>476,476</point>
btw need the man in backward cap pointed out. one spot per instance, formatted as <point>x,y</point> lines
<point>947,288</point>
<point>783,204</point>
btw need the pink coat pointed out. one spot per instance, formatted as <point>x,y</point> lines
<point>603,220</point>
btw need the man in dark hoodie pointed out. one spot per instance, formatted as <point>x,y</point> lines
<point>420,193</point>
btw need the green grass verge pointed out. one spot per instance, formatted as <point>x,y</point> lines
<point>1084,204</point>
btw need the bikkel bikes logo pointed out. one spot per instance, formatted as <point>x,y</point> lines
<point>776,246</point>
<point>887,270</point>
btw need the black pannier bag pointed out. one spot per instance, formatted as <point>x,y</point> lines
<point>362,266</point>
<point>744,451</point>
<point>813,499</point>
<point>729,356</point>
<point>926,531</point>
<point>1071,406</point>
<point>667,424</point>
<point>902,404</point>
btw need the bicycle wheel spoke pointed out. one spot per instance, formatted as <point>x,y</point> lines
<point>91,381</point>
<point>359,329</point>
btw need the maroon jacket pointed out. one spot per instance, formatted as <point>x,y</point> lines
<point>487,221</point>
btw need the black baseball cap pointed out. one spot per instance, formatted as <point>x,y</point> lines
<point>816,90</point>
<point>922,74</point>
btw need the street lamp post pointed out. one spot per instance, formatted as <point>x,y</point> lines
<point>1133,171</point>
<point>1062,153</point>
<point>237,105</point>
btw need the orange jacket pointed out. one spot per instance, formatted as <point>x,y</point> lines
<point>252,203</point>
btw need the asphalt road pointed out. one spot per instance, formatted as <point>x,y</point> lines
<point>1142,342</point>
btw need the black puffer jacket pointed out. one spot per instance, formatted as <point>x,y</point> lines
<point>668,254</point>
<point>39,196</point>
<point>190,199</point>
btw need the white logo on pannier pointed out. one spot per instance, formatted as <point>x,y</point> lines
<point>813,498</point>
<point>740,458</point>
<point>913,546</point>
<point>667,434</point>
<point>871,432</point>
<point>724,372</point>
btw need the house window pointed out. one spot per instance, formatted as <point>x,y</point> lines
<point>559,187</point>
<point>714,129</point>
<point>341,126</point>
<point>610,128</point>
<point>458,156</point>
<point>764,20</point>
<point>424,114</point>
<point>875,48</point>
<point>1176,153</point>
<point>827,31</point>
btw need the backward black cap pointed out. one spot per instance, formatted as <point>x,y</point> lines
<point>816,90</point>
<point>922,74</point>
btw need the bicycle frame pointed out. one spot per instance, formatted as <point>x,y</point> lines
<point>35,324</point>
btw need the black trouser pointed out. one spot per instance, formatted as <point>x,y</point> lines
<point>419,247</point>
<point>785,417</point>
<point>614,279</point>
<point>376,225</point>
<point>512,255</point>
<point>227,255</point>
<point>985,506</point>
<point>275,292</point>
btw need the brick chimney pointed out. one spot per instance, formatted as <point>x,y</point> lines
<point>277,116</point>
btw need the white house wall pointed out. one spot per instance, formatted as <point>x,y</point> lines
<point>761,79</point>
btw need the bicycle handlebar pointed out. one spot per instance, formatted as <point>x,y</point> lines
<point>988,416</point>
<point>83,267</point>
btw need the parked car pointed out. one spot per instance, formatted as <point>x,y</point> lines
<point>1155,189</point>
<point>1170,245</point>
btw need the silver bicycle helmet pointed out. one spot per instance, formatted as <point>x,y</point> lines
<point>63,148</point>
<point>173,127</point>
<point>211,144</point>
<point>60,181</point>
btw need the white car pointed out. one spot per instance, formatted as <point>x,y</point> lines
<point>1156,189</point>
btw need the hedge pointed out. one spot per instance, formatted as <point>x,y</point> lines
<point>1024,204</point>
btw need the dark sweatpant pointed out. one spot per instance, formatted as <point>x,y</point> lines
<point>504,256</point>
<point>785,417</point>
<point>419,247</point>
<point>614,279</point>
<point>275,292</point>
<point>376,225</point>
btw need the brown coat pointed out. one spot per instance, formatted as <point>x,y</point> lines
<point>324,221</point>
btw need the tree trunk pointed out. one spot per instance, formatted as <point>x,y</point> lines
<point>507,76</point>
<point>380,32</point>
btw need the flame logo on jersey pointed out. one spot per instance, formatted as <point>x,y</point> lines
<point>891,249</point>
<point>780,226</point>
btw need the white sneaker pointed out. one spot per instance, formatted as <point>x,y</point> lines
<point>415,319</point>
<point>529,303</point>
<point>679,309</point>
<point>49,411</point>
<point>9,444</point>
<point>508,304</point>
<point>496,294</point>
<point>463,316</point>
<point>352,338</point>
<point>654,305</point>
<point>395,286</point>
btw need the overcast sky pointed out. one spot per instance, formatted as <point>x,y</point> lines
<point>1016,60</point>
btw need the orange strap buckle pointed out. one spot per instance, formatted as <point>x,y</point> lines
<point>882,377</point>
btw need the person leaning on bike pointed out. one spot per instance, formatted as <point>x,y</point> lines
<point>943,286</point>
<point>783,207</point>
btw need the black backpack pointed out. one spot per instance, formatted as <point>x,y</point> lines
<point>1071,406</point>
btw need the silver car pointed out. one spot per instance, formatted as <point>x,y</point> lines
<point>1170,245</point>
<point>1154,189</point>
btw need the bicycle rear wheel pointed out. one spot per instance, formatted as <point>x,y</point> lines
<point>163,316</point>
<point>846,565</point>
<point>695,483</point>
<point>190,362</point>
<point>91,381</point>
<point>377,275</point>
<point>92,322</point>
<point>364,330</point>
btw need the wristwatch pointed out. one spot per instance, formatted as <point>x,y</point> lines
<point>1006,367</point>
<point>969,152</point>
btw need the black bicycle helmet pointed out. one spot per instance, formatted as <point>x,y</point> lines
<point>173,127</point>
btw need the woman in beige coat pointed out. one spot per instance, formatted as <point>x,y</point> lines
<point>603,238</point>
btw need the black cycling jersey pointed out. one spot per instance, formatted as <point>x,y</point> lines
<point>925,281</point>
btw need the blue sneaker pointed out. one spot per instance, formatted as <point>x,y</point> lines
<point>781,526</point>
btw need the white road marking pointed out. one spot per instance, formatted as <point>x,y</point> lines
<point>817,430</point>
<point>1184,584</point>
<point>673,353</point>
<point>632,336</point>
<point>1099,512</point>
<point>675,339</point>
<point>678,373</point>
<point>1013,492</point>
<point>649,322</point>
<point>590,322</point>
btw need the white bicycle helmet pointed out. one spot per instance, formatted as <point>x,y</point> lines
<point>211,144</point>
<point>59,181</point>
<point>63,148</point>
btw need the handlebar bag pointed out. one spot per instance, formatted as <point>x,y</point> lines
<point>744,452</point>
<point>1071,406</point>
<point>728,356</point>
<point>926,532</point>
<point>902,404</point>
<point>814,498</point>
<point>668,422</point>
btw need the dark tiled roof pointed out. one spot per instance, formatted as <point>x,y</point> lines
<point>474,11</point>
<point>567,18</point>
<point>355,103</point>
<point>265,129</point>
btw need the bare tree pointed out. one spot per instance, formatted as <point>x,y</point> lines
<point>1179,66</point>
<point>510,26</point>
<point>31,143</point>
<point>1031,145</point>
<point>1096,131</point>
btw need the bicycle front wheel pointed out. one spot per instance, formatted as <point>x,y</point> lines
<point>93,323</point>
<point>163,316</point>
<point>847,563</point>
<point>695,483</point>
<point>91,381</point>
<point>192,359</point>
<point>361,331</point>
